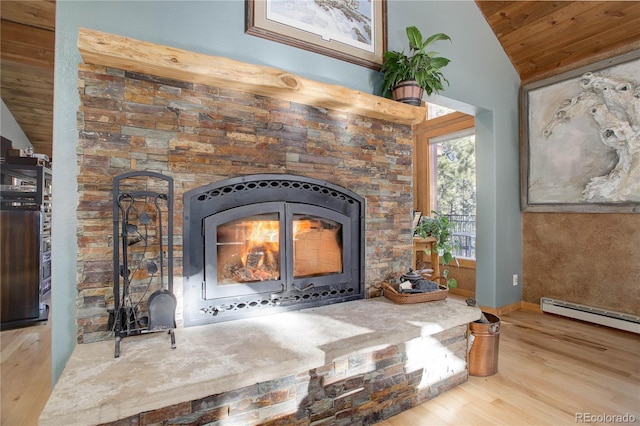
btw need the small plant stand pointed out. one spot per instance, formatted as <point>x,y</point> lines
<point>420,245</point>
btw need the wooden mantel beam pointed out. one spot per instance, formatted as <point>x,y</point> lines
<point>115,51</point>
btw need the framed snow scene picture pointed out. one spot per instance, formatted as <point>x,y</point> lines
<point>580,140</point>
<point>350,30</point>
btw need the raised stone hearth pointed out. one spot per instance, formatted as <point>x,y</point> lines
<point>350,363</point>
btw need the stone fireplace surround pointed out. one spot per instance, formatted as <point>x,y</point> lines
<point>130,119</point>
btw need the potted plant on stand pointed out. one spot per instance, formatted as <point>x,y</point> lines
<point>407,77</point>
<point>438,226</point>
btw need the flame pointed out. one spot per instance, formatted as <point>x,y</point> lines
<point>264,231</point>
<point>267,233</point>
<point>253,250</point>
<point>261,232</point>
<point>301,226</point>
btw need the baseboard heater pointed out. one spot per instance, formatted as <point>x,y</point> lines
<point>588,313</point>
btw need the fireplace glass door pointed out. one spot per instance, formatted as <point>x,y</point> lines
<point>275,248</point>
<point>317,246</point>
<point>267,243</point>
<point>248,250</point>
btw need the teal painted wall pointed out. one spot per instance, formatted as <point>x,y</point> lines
<point>483,83</point>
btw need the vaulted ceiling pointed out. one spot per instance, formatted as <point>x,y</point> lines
<point>545,38</point>
<point>541,38</point>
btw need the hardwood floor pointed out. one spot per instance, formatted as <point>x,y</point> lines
<point>25,374</point>
<point>550,369</point>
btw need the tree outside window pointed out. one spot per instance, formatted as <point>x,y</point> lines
<point>453,185</point>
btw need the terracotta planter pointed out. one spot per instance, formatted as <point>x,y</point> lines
<point>408,92</point>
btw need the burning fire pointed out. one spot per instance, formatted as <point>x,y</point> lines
<point>261,233</point>
<point>259,258</point>
<point>267,233</point>
<point>302,226</point>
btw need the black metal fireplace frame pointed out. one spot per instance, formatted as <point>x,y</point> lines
<point>203,202</point>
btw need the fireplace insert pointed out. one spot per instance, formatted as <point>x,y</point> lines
<point>267,243</point>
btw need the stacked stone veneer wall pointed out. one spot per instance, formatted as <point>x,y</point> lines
<point>198,135</point>
<point>359,390</point>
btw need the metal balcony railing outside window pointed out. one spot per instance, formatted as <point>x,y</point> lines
<point>464,232</point>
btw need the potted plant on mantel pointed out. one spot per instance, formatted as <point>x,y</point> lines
<point>438,226</point>
<point>407,77</point>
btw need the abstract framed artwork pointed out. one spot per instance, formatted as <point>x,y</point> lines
<point>580,139</point>
<point>349,30</point>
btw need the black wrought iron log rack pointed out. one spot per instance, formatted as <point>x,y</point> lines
<point>143,256</point>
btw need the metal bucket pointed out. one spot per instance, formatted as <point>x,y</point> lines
<point>484,340</point>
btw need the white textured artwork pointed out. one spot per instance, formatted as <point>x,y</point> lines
<point>584,138</point>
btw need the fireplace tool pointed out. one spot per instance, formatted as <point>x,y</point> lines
<point>135,271</point>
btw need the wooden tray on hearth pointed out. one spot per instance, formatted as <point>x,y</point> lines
<point>395,296</point>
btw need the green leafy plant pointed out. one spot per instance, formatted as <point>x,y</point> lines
<point>438,226</point>
<point>451,282</point>
<point>420,65</point>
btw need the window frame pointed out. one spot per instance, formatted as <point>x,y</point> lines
<point>423,172</point>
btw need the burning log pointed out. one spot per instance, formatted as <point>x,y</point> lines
<point>262,264</point>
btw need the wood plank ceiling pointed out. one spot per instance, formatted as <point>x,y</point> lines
<point>541,38</point>
<point>546,38</point>
<point>27,44</point>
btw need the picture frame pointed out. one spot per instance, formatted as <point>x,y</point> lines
<point>580,139</point>
<point>322,30</point>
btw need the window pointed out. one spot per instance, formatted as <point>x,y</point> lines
<point>453,188</point>
<point>445,172</point>
<point>435,111</point>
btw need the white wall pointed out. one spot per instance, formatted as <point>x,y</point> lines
<point>10,129</point>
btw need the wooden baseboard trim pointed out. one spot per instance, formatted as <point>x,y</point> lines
<point>503,310</point>
<point>462,292</point>
<point>531,307</point>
